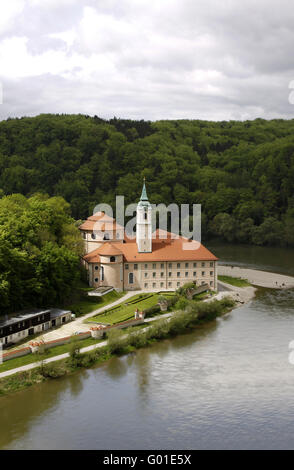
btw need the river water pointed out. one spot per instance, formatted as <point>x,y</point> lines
<point>228,385</point>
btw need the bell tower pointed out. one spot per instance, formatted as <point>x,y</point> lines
<point>144,223</point>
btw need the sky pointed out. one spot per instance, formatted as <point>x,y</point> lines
<point>148,59</point>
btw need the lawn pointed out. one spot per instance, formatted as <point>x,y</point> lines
<point>24,360</point>
<point>234,281</point>
<point>88,304</point>
<point>126,310</point>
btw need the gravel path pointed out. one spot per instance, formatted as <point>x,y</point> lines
<point>258,278</point>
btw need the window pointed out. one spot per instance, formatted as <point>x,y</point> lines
<point>186,274</point>
<point>117,236</point>
<point>112,259</point>
<point>178,283</point>
<point>131,278</point>
<point>154,265</point>
<point>203,273</point>
<point>106,236</point>
<point>102,273</point>
<point>194,274</point>
<point>169,284</point>
<point>161,284</point>
<point>146,266</point>
<point>96,268</point>
<point>161,274</point>
<point>96,279</point>
<point>203,264</point>
<point>211,283</point>
<point>178,265</point>
<point>211,273</point>
<point>154,284</point>
<point>211,264</point>
<point>145,215</point>
<point>154,274</point>
<point>84,235</point>
<point>170,265</point>
<point>194,265</point>
<point>162,265</point>
<point>93,236</point>
<point>126,266</point>
<point>178,274</point>
<point>186,265</point>
<point>135,267</point>
<point>169,274</point>
<point>146,285</point>
<point>145,274</point>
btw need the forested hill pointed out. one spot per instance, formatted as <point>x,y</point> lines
<point>241,172</point>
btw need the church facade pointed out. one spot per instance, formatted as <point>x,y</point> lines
<point>149,262</point>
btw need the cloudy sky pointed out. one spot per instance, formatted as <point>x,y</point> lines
<point>148,59</point>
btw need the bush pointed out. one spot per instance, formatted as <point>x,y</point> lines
<point>159,330</point>
<point>182,303</point>
<point>227,302</point>
<point>52,371</point>
<point>138,339</point>
<point>149,312</point>
<point>117,341</point>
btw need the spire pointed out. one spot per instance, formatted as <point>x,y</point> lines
<point>144,196</point>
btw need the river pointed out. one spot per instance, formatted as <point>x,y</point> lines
<point>228,385</point>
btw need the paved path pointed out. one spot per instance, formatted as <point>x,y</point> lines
<point>68,329</point>
<point>243,294</point>
<point>65,355</point>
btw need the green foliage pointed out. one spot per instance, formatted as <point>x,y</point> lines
<point>117,341</point>
<point>241,172</point>
<point>39,252</point>
<point>154,309</point>
<point>234,281</point>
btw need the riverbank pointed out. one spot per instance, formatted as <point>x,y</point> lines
<point>118,343</point>
<point>257,277</point>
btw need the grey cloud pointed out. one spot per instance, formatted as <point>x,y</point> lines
<point>160,47</point>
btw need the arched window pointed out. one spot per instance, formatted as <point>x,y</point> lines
<point>112,259</point>
<point>145,215</point>
<point>93,235</point>
<point>131,278</point>
<point>102,273</point>
<point>106,236</point>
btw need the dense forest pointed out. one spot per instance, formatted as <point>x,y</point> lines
<point>242,173</point>
<point>39,252</point>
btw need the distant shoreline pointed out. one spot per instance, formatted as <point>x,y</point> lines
<point>258,278</point>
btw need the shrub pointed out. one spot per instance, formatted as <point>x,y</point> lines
<point>117,341</point>
<point>51,371</point>
<point>138,339</point>
<point>149,312</point>
<point>227,302</point>
<point>159,330</point>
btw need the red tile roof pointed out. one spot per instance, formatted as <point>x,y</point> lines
<point>100,222</point>
<point>167,249</point>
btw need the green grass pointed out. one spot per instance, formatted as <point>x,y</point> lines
<point>234,281</point>
<point>88,304</point>
<point>126,310</point>
<point>24,360</point>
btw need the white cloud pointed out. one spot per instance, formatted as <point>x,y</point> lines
<point>148,59</point>
<point>8,12</point>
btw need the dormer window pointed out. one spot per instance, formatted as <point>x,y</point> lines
<point>112,259</point>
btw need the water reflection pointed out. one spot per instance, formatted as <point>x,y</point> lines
<point>225,385</point>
